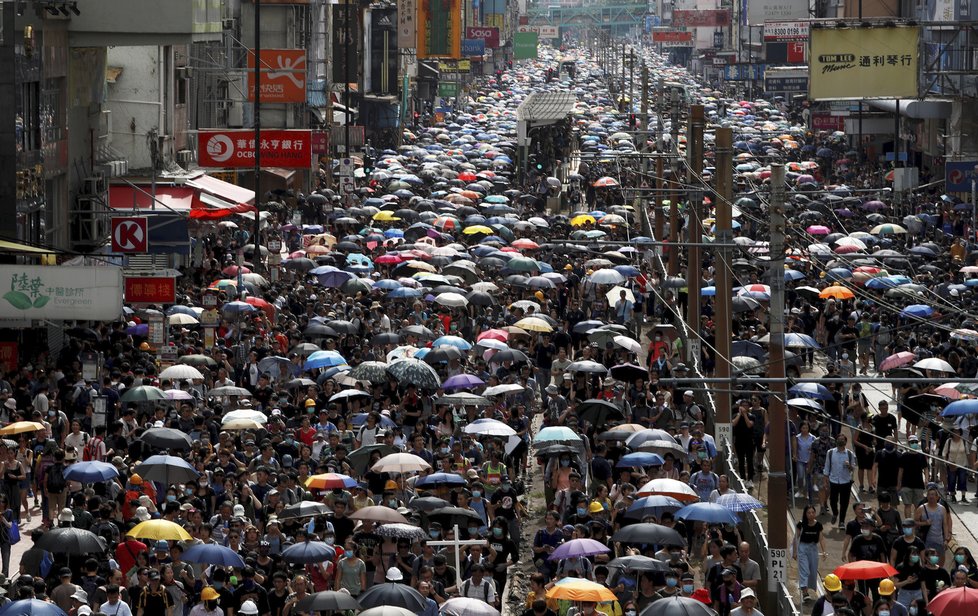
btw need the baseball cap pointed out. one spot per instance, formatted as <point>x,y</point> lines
<point>688,392</point>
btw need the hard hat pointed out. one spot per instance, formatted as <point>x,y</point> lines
<point>144,346</point>
<point>310,402</point>
<point>538,295</point>
<point>209,594</point>
<point>595,507</point>
<point>832,583</point>
<point>136,480</point>
<point>390,485</point>
<point>248,608</point>
<point>887,587</point>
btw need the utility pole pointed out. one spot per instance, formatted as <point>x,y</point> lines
<point>674,185</point>
<point>644,110</point>
<point>777,484</point>
<point>722,301</point>
<point>259,67</point>
<point>694,230</point>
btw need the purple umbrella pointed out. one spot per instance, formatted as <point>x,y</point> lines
<point>138,330</point>
<point>874,206</point>
<point>462,381</point>
<point>578,547</point>
<point>805,179</point>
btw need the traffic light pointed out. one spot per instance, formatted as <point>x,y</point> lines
<point>368,165</point>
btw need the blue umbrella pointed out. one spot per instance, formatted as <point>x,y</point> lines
<point>453,341</point>
<point>324,359</point>
<point>238,308</point>
<point>91,472</point>
<point>655,505</point>
<point>811,390</point>
<point>435,479</point>
<point>213,554</point>
<point>790,275</point>
<point>838,273</point>
<point>387,284</point>
<point>178,309</point>
<point>335,278</point>
<point>800,340</point>
<point>737,501</point>
<point>361,418</point>
<point>404,293</point>
<point>919,311</point>
<point>708,291</point>
<point>640,458</point>
<point>141,329</point>
<point>711,513</point>
<point>31,607</point>
<point>556,433</point>
<point>308,552</point>
<point>628,270</point>
<point>960,407</point>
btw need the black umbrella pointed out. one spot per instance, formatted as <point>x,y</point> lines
<point>304,509</point>
<point>414,371</point>
<point>327,601</point>
<point>649,533</point>
<point>308,552</point>
<point>629,372</point>
<point>678,606</point>
<point>442,355</point>
<point>398,595</point>
<point>427,504</point>
<point>319,330</point>
<point>360,458</point>
<point>166,438</point>
<point>450,516</point>
<point>598,412</point>
<point>640,563</point>
<point>417,330</point>
<point>385,338</point>
<point>481,298</point>
<point>71,541</point>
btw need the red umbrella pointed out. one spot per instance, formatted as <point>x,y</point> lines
<point>954,601</point>
<point>261,304</point>
<point>605,182</point>
<point>864,570</point>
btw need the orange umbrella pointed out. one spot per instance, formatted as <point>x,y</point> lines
<point>836,292</point>
<point>864,570</point>
<point>574,589</point>
<point>605,182</point>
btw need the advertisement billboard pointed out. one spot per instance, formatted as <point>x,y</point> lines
<point>525,45</point>
<point>759,11</point>
<point>439,29</point>
<point>487,33</point>
<point>283,76</point>
<point>151,289</point>
<point>472,48</point>
<point>959,174</point>
<point>57,293</point>
<point>672,36</point>
<point>786,31</point>
<point>786,80</point>
<point>231,149</point>
<point>407,27</point>
<point>786,52</point>
<point>858,63</point>
<point>711,18</point>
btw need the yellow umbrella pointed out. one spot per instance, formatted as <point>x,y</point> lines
<point>421,266</point>
<point>19,427</point>
<point>580,221</point>
<point>386,216</point>
<point>534,324</point>
<point>581,590</point>
<point>159,530</point>
<point>476,229</point>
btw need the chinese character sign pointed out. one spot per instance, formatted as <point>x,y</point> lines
<point>283,76</point>
<point>856,63</point>
<point>229,149</point>
<point>150,289</point>
<point>77,293</point>
<point>439,29</point>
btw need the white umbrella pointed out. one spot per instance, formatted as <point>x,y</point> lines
<point>499,390</point>
<point>464,606</point>
<point>489,427</point>
<point>614,295</point>
<point>249,414</point>
<point>463,398</point>
<point>935,364</point>
<point>179,318</point>
<point>453,300</point>
<point>628,344</point>
<point>400,463</point>
<point>485,287</point>
<point>607,276</point>
<point>492,343</point>
<point>178,394</point>
<point>241,424</point>
<point>181,371</point>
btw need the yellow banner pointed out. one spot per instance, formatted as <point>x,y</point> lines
<point>856,63</point>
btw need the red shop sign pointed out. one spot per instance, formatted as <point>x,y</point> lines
<point>229,149</point>
<point>151,289</point>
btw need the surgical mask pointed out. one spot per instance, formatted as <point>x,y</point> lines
<point>913,610</point>
<point>188,491</point>
<point>218,585</point>
<point>565,462</point>
<point>867,532</point>
<point>933,559</point>
<point>630,612</point>
<point>473,531</point>
<point>701,455</point>
<point>392,502</point>
<point>908,531</point>
<point>688,589</point>
<point>915,445</point>
<point>434,533</point>
<point>171,498</point>
<point>497,532</point>
<point>959,558</point>
<point>444,450</point>
<point>671,582</point>
<point>914,559</point>
<point>581,511</point>
<point>884,613</point>
<point>476,493</point>
<point>330,540</point>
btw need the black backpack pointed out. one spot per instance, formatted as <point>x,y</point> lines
<point>55,481</point>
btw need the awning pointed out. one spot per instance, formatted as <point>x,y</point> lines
<point>176,198</point>
<point>224,190</point>
<point>926,109</point>
<point>8,246</point>
<point>546,107</point>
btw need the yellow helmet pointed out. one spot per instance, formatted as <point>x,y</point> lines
<point>538,295</point>
<point>832,583</point>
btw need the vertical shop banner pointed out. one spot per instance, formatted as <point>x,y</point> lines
<point>439,29</point>
<point>855,63</point>
<point>346,37</point>
<point>525,45</point>
<point>283,76</point>
<point>407,25</point>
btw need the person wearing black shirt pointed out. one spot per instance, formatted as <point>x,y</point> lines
<point>601,470</point>
<point>911,476</point>
<point>884,424</point>
<point>342,525</point>
<point>887,469</point>
<point>249,590</point>
<point>867,545</point>
<point>279,594</point>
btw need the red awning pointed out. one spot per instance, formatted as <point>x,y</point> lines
<point>176,198</point>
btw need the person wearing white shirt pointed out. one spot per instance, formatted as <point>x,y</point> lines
<point>115,606</point>
<point>748,603</point>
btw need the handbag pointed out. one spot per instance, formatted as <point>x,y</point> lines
<point>14,533</point>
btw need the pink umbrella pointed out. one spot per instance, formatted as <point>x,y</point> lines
<point>805,179</point>
<point>818,230</point>
<point>948,391</point>
<point>896,360</point>
<point>846,249</point>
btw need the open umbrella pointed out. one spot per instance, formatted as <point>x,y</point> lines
<point>166,438</point>
<point>864,570</point>
<point>304,509</point>
<point>159,530</point>
<point>308,552</point>
<point>576,589</point>
<point>578,547</point>
<point>393,594</point>
<point>678,606</point>
<point>598,412</point>
<point>142,393</point>
<point>360,458</point>
<point>401,531</point>
<point>381,515</point>
<point>652,505</point>
<point>167,470</point>
<point>489,427</point>
<point>371,371</point>
<point>70,541</point>
<point>212,554</point>
<point>31,607</point>
<point>639,563</point>
<point>21,427</point>
<point>330,481</point>
<point>950,601</point>
<point>387,610</point>
<point>327,601</point>
<point>411,371</point>
<point>181,371</point>
<point>400,463</point>
<point>464,606</point>
<point>711,513</point>
<point>737,501</point>
<point>669,487</point>
<point>91,472</point>
<point>649,533</point>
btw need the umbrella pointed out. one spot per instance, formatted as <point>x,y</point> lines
<point>90,472</point>
<point>167,470</point>
<point>228,390</point>
<point>308,552</point>
<point>434,479</point>
<point>738,502</point>
<point>181,372</point>
<point>159,530</point>
<point>918,311</point>
<point>304,509</point>
<point>462,381</point>
<point>864,570</point>
<point>21,427</point>
<point>711,513</point>
<point>400,463</point>
<point>401,531</point>
<point>428,504</point>
<point>371,371</point>
<point>896,360</point>
<point>935,364</point>
<point>166,438</point>
<point>652,505</point>
<point>598,412</point>
<point>142,393</point>
<point>578,547</point>
<point>330,481</point>
<point>640,458</point>
<point>212,554</point>
<point>178,394</point>
<point>450,516</point>
<point>954,601</point>
<point>960,407</point>
<point>558,434</point>
<point>587,366</point>
<point>360,458</point>
<point>489,427</point>
<point>381,515</point>
<point>575,589</point>
<point>640,563</point>
<point>678,606</point>
<point>386,610</point>
<point>811,390</point>
<point>501,390</point>
<point>649,533</point>
<point>31,607</point>
<point>464,606</point>
<point>629,372</point>
<point>327,601</point>
<point>414,371</point>
<point>669,487</point>
<point>464,399</point>
<point>393,594</point>
<point>70,541</point>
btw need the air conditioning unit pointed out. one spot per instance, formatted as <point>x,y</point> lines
<point>185,158</point>
<point>228,24</point>
<point>94,185</point>
<point>184,72</point>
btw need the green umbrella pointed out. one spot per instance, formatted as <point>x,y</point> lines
<point>360,458</point>
<point>143,393</point>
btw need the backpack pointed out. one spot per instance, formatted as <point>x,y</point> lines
<point>849,457</point>
<point>55,481</point>
<point>485,589</point>
<point>91,450</point>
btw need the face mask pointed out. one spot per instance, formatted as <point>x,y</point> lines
<point>581,511</point>
<point>476,493</point>
<point>171,498</point>
<point>630,612</point>
<point>959,558</point>
<point>434,533</point>
<point>218,585</point>
<point>915,446</point>
<point>688,589</point>
<point>867,532</point>
<point>444,450</point>
<point>473,531</point>
<point>908,532</point>
<point>913,610</point>
<point>701,455</point>
<point>884,613</point>
<point>188,491</point>
<point>565,462</point>
<point>840,443</point>
<point>392,502</point>
<point>497,532</point>
<point>933,559</point>
<point>671,582</point>
<point>915,559</point>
